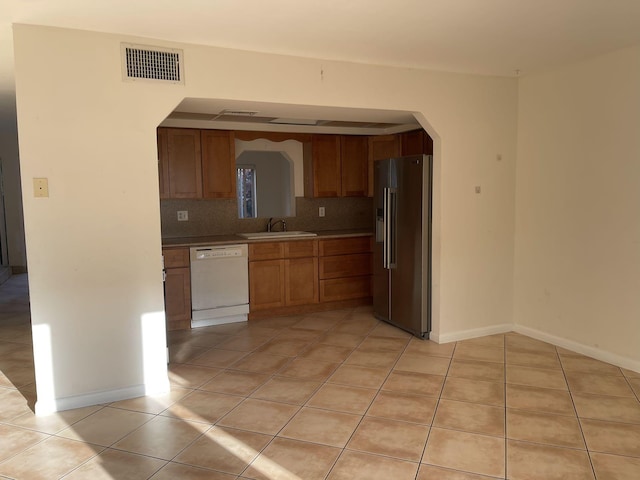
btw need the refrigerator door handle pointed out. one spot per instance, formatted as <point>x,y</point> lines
<point>392,227</point>
<point>389,228</point>
<point>385,226</point>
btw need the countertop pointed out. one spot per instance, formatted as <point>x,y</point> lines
<point>231,239</point>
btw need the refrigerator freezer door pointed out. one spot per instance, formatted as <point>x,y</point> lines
<point>381,275</point>
<point>406,274</point>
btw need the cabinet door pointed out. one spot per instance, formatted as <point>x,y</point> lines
<point>380,147</point>
<point>266,284</point>
<point>218,164</point>
<point>301,279</point>
<point>416,142</point>
<point>177,298</point>
<point>354,160</point>
<point>184,163</point>
<point>326,165</point>
<point>163,163</point>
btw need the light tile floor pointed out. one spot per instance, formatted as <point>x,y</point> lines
<point>335,395</point>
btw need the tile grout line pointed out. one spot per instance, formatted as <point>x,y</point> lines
<point>435,410</point>
<point>321,384</point>
<point>300,407</point>
<point>575,409</point>
<point>374,398</point>
<point>506,438</point>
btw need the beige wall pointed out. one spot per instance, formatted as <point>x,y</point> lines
<point>577,269</point>
<point>94,245</point>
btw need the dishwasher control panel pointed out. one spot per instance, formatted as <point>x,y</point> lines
<point>218,252</point>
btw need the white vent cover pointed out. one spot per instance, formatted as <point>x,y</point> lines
<point>141,62</point>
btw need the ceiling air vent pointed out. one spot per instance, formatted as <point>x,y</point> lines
<point>141,62</point>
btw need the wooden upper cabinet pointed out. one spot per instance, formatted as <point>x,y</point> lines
<point>380,147</point>
<point>416,142</point>
<point>325,179</point>
<point>337,166</point>
<point>218,164</point>
<point>163,163</point>
<point>183,164</point>
<point>354,159</point>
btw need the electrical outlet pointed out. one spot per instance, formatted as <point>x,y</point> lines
<point>40,187</point>
<point>183,215</point>
<point>321,211</point>
<point>478,189</point>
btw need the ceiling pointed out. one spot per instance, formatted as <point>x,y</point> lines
<point>489,37</point>
<point>274,117</point>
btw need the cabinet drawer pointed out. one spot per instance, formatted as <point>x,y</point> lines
<point>302,248</point>
<point>345,266</point>
<point>344,246</point>
<point>335,289</point>
<point>175,257</point>
<point>266,251</point>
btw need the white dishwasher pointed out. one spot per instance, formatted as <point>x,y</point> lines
<point>219,285</point>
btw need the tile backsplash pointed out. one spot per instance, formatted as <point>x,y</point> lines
<point>220,217</point>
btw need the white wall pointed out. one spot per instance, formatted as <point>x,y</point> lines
<point>577,269</point>
<point>94,245</point>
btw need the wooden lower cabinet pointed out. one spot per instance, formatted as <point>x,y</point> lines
<point>346,288</point>
<point>283,274</point>
<point>340,266</point>
<point>266,284</point>
<point>345,268</point>
<point>301,281</point>
<point>177,288</point>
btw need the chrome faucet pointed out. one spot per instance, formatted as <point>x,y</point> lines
<point>272,224</point>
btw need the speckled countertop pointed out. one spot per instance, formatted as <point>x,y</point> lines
<point>231,239</point>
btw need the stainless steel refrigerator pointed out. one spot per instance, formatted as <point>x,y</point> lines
<point>401,255</point>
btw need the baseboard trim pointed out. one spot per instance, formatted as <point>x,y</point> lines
<point>49,406</point>
<point>592,352</point>
<point>473,333</point>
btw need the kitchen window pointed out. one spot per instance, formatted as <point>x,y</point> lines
<point>246,190</point>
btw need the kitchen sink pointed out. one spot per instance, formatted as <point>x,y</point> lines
<point>263,235</point>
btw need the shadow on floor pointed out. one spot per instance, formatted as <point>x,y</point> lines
<point>16,350</point>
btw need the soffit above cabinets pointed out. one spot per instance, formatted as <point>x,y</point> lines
<point>272,117</point>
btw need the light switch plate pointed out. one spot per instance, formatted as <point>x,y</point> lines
<point>40,187</point>
<point>183,215</point>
